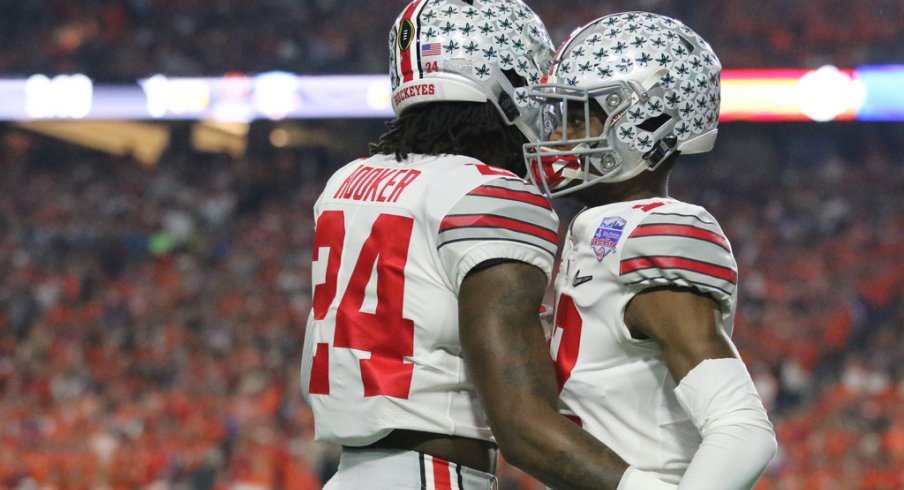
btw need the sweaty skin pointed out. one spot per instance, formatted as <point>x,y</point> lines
<point>508,358</point>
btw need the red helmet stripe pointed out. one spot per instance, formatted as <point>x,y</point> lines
<point>410,58</point>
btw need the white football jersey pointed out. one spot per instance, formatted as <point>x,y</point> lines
<point>616,387</point>
<point>393,242</point>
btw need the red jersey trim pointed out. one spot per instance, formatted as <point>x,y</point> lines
<point>663,262</point>
<point>687,231</point>
<point>490,221</point>
<point>512,195</point>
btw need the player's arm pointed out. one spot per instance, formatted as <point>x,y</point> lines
<point>682,321</point>
<point>508,359</point>
<point>497,243</point>
<point>713,387</point>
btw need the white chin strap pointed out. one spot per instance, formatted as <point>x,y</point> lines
<point>560,167</point>
<point>574,173</point>
<point>564,167</point>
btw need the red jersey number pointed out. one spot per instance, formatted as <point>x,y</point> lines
<point>385,333</point>
<point>330,234</point>
<point>648,207</point>
<point>568,324</point>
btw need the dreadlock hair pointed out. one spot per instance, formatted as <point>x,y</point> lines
<point>473,129</point>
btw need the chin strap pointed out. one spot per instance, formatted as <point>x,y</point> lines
<point>556,169</point>
<point>564,165</point>
<point>663,149</point>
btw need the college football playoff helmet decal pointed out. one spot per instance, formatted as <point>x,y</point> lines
<point>470,50</point>
<point>651,82</point>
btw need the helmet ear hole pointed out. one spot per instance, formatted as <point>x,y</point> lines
<point>514,78</point>
<point>508,106</point>
<point>654,123</point>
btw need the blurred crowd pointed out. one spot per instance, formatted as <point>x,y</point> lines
<point>817,224</point>
<point>124,40</point>
<point>151,318</point>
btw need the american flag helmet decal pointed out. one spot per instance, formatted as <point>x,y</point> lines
<point>470,50</point>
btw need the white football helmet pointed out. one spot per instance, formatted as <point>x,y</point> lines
<point>470,50</point>
<point>652,81</point>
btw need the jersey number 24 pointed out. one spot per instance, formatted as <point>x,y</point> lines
<point>385,333</point>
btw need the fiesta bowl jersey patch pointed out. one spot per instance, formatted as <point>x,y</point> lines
<point>615,386</point>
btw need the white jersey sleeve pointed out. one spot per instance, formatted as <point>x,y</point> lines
<point>680,245</point>
<point>616,386</point>
<point>506,218</point>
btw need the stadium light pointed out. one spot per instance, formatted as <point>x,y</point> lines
<point>869,93</point>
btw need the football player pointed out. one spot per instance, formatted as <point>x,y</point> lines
<point>647,285</point>
<point>423,350</point>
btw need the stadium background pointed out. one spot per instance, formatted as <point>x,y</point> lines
<point>153,298</point>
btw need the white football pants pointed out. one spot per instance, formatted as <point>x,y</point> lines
<point>393,469</point>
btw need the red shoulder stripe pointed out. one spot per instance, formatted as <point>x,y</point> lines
<point>681,230</point>
<point>485,169</point>
<point>502,193</point>
<point>491,221</point>
<point>662,262</point>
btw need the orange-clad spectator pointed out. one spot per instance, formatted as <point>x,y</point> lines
<point>120,369</point>
<point>893,440</point>
<point>295,472</point>
<point>882,479</point>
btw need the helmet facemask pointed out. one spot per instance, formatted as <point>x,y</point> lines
<point>652,84</point>
<point>592,156</point>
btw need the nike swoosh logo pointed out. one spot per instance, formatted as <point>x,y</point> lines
<point>579,279</point>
